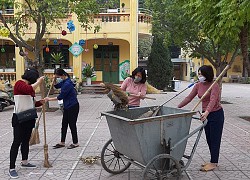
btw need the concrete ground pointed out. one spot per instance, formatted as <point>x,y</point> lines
<point>93,133</point>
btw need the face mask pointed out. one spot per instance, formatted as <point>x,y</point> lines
<point>58,80</point>
<point>137,79</point>
<point>202,79</point>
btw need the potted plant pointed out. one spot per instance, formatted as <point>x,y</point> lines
<point>123,5</point>
<point>57,58</point>
<point>193,76</point>
<point>88,72</point>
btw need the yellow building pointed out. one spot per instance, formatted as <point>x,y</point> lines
<point>115,55</point>
<point>184,65</point>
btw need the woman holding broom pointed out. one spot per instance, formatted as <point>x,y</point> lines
<point>71,107</point>
<point>212,111</point>
<point>22,131</point>
<point>135,87</point>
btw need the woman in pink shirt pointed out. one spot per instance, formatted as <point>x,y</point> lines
<point>212,111</point>
<point>135,87</point>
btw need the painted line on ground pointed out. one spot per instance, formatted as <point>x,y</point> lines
<point>83,149</point>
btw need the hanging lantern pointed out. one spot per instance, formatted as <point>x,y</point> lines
<point>60,44</point>
<point>64,33</point>
<point>4,32</point>
<point>2,50</point>
<point>47,41</point>
<point>81,42</point>
<point>95,46</point>
<point>47,49</point>
<point>55,41</point>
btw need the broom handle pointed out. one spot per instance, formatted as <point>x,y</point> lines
<point>37,122</point>
<point>215,81</point>
<point>145,97</point>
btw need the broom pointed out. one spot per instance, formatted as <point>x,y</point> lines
<point>119,95</point>
<point>154,112</point>
<point>34,139</point>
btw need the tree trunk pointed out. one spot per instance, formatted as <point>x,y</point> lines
<point>244,50</point>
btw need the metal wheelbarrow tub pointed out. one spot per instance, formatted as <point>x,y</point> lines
<point>140,139</point>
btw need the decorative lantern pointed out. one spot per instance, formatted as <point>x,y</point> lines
<point>4,32</point>
<point>64,33</point>
<point>47,49</point>
<point>95,46</point>
<point>71,26</point>
<point>2,50</point>
<point>81,42</point>
<point>55,41</point>
<point>47,41</point>
<point>60,44</point>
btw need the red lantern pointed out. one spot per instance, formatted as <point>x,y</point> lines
<point>47,49</point>
<point>64,33</point>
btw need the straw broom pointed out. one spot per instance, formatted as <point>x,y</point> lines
<point>34,139</point>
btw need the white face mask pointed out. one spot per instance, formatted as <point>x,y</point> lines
<point>137,79</point>
<point>202,79</point>
<point>58,80</point>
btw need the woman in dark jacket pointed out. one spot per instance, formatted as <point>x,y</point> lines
<point>22,131</point>
<point>71,107</point>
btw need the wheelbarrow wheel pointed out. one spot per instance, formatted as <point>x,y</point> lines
<point>113,161</point>
<point>162,167</point>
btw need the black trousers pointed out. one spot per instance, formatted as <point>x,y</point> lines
<point>70,118</point>
<point>22,133</point>
<point>213,131</point>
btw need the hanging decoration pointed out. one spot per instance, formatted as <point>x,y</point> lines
<point>70,25</point>
<point>95,46</point>
<point>86,41</point>
<point>4,32</point>
<point>64,33</point>
<point>2,50</point>
<point>47,49</point>
<point>55,41</point>
<point>81,42</point>
<point>47,45</point>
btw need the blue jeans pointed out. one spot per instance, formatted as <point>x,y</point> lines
<point>213,131</point>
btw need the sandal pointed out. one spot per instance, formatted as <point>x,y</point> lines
<point>206,163</point>
<point>72,146</point>
<point>209,167</point>
<point>58,146</point>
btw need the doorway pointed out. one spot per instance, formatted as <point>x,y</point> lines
<point>106,59</point>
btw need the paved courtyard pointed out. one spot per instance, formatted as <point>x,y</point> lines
<point>93,133</point>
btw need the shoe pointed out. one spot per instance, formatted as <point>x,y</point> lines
<point>31,166</point>
<point>206,163</point>
<point>72,146</point>
<point>58,146</point>
<point>13,174</point>
<point>209,167</point>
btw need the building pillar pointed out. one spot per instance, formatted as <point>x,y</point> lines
<point>133,34</point>
<point>77,61</point>
<point>20,64</point>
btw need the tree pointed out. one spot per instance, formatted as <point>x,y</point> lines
<point>159,65</point>
<point>45,14</point>
<point>224,18</point>
<point>144,47</point>
<point>175,23</point>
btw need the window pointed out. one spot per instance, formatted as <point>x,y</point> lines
<point>64,49</point>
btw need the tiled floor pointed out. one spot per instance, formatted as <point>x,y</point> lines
<point>93,133</point>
